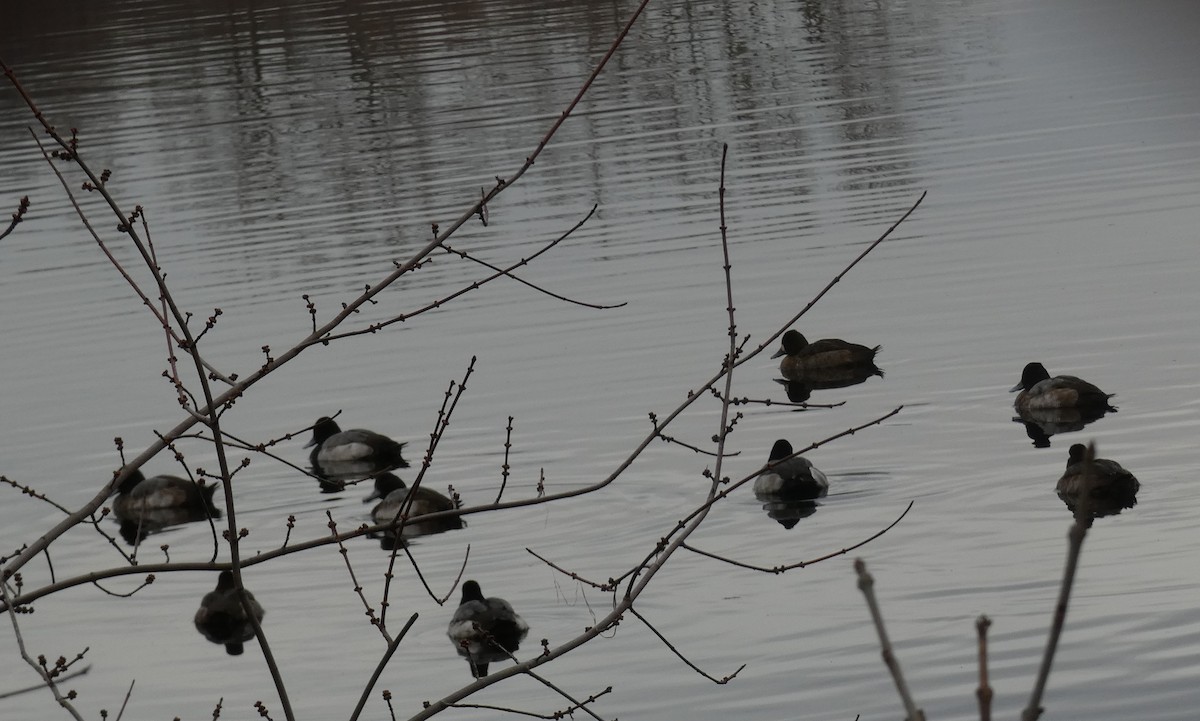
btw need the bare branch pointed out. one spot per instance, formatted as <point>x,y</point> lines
<point>393,644</point>
<point>683,658</point>
<point>866,584</point>
<point>984,692</point>
<point>17,217</point>
<point>1075,538</point>
<point>554,716</point>
<point>47,677</point>
<point>803,564</point>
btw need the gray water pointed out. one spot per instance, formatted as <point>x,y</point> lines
<point>300,149</point>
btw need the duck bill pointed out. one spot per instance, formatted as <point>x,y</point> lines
<point>1017,387</point>
<point>312,442</point>
<point>374,495</point>
<point>779,353</point>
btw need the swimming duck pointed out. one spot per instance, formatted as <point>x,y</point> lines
<point>1112,487</point>
<point>221,618</point>
<point>332,447</point>
<point>485,629</point>
<point>803,357</point>
<point>1040,391</point>
<point>393,491</point>
<point>795,478</point>
<point>138,495</point>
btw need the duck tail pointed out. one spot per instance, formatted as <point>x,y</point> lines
<point>207,505</point>
<point>396,459</point>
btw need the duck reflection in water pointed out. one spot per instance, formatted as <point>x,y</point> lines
<point>789,487</point>
<point>1109,490</point>
<point>221,617</point>
<point>394,493</point>
<point>338,456</point>
<point>485,629</point>
<point>788,512</point>
<point>801,358</point>
<point>800,386</point>
<point>148,505</point>
<point>1042,423</point>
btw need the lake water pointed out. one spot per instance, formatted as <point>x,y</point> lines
<point>283,150</point>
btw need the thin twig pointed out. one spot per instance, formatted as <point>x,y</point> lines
<point>524,261</point>
<point>554,716</point>
<point>582,706</point>
<point>574,576</point>
<point>125,702</point>
<point>803,564</point>
<point>866,584</point>
<point>393,644</point>
<point>1075,538</point>
<point>474,285</point>
<point>47,679</point>
<point>836,279</point>
<point>984,692</point>
<point>40,686</point>
<point>29,491</point>
<point>504,467</point>
<point>396,526</point>
<point>17,217</point>
<point>683,658</point>
<point>358,589</point>
<point>149,580</point>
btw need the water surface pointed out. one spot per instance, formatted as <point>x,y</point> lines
<point>300,149</point>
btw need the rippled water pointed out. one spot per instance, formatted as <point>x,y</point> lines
<point>300,149</point>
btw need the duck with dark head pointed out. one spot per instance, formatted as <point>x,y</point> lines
<point>485,629</point>
<point>1105,489</point>
<point>222,619</point>
<point>148,505</point>
<point>802,359</point>
<point>338,456</point>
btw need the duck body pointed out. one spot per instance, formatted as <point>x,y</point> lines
<point>801,357</point>
<point>485,629</point>
<point>1112,488</point>
<point>1039,391</point>
<point>394,493</point>
<point>221,618</point>
<point>138,494</point>
<point>794,478</point>
<point>355,448</point>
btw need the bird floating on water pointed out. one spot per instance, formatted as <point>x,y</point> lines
<point>485,629</point>
<point>801,357</point>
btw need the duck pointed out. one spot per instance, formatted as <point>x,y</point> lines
<point>1039,392</point>
<point>485,629</point>
<point>332,447</point>
<point>221,617</point>
<point>394,492</point>
<point>138,495</point>
<point>1113,488</point>
<point>801,357</point>
<point>795,478</point>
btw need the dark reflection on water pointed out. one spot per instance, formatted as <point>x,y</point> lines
<point>295,120</point>
<point>799,387</point>
<point>788,512</point>
<point>1043,423</point>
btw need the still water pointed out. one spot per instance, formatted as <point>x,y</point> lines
<point>284,150</point>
